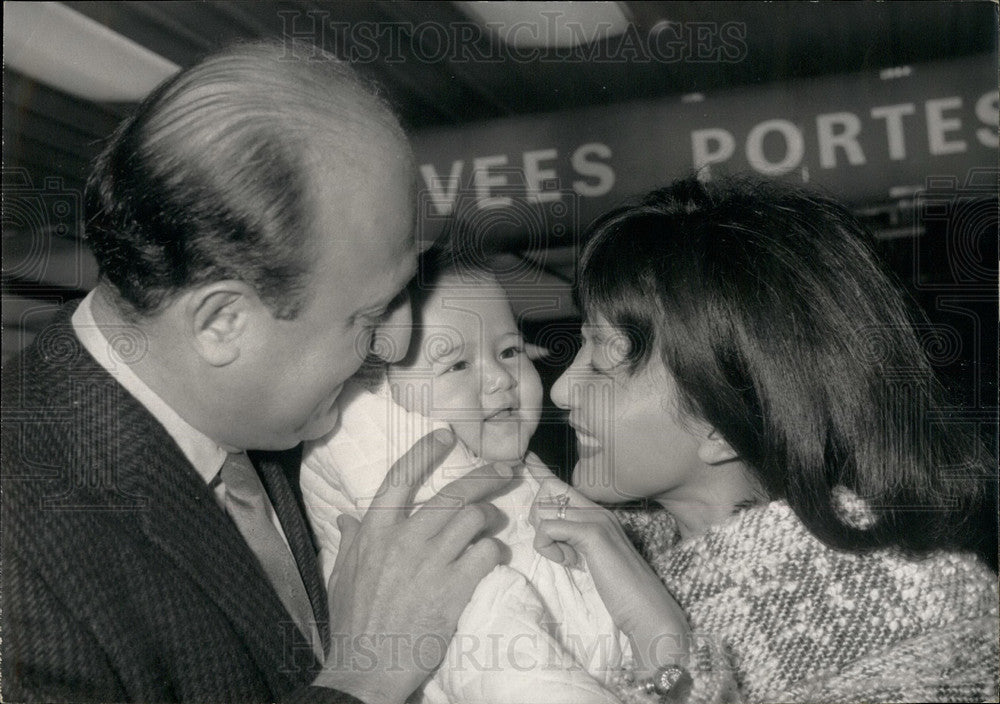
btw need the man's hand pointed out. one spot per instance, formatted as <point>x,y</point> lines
<point>400,582</point>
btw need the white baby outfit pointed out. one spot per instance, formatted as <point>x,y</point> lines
<point>534,631</point>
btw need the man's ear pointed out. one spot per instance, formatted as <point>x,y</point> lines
<point>218,317</point>
<point>715,449</point>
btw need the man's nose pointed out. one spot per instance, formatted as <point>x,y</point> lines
<point>392,337</point>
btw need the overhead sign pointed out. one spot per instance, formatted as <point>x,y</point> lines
<point>860,137</point>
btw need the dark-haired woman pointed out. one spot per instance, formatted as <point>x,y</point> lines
<point>748,366</point>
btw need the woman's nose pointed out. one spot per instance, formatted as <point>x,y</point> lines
<point>560,390</point>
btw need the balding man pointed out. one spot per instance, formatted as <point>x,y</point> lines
<point>253,222</point>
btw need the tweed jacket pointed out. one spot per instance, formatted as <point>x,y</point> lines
<point>785,618</point>
<point>123,579</point>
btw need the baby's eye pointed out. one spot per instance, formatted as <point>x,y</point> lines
<point>457,367</point>
<point>511,352</point>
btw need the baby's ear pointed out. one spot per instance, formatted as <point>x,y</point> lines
<point>715,449</point>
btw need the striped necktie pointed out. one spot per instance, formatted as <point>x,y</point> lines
<point>249,508</point>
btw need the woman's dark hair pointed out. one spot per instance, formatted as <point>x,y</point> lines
<point>769,307</point>
<point>213,176</point>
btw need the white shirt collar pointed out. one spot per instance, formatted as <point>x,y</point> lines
<point>201,451</point>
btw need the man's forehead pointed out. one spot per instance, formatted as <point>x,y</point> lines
<point>368,173</point>
<point>395,283</point>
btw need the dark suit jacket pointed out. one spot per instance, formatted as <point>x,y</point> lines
<point>122,577</point>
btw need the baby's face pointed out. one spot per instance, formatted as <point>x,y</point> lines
<point>471,369</point>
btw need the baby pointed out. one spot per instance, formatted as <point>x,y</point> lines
<point>534,631</point>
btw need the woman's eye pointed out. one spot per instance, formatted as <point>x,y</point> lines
<point>511,352</point>
<point>457,367</point>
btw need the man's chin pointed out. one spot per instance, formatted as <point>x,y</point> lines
<point>322,426</point>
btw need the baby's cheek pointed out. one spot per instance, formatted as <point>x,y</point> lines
<point>531,393</point>
<point>415,395</point>
<point>470,433</point>
<point>451,400</point>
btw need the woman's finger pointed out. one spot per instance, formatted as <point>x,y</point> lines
<point>585,537</point>
<point>556,499</point>
<point>552,502</point>
<point>560,553</point>
<point>633,594</point>
<point>546,504</point>
<point>551,493</point>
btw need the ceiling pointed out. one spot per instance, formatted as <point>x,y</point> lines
<point>51,133</point>
<point>51,136</point>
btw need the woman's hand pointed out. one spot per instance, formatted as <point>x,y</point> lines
<point>569,526</point>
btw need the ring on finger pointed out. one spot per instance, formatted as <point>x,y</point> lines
<point>562,501</point>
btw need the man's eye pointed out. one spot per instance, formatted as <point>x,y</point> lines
<point>457,367</point>
<point>511,352</point>
<point>371,320</point>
